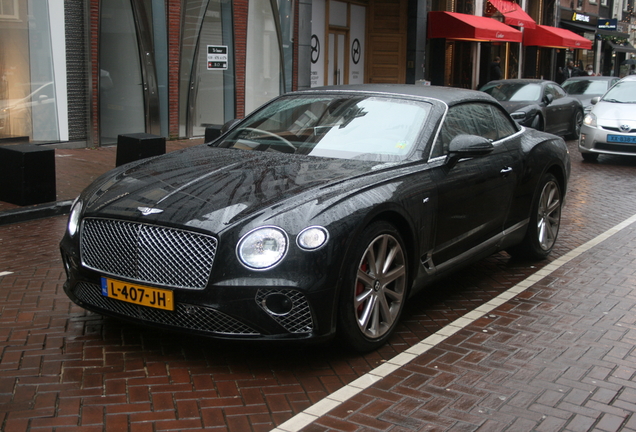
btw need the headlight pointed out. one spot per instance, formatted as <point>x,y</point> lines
<point>590,120</point>
<point>262,248</point>
<point>518,115</point>
<point>312,238</point>
<point>74,217</point>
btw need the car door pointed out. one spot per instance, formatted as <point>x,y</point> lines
<point>474,196</point>
<point>562,108</point>
<point>553,110</point>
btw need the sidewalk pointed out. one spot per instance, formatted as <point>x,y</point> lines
<point>74,170</point>
<point>554,353</point>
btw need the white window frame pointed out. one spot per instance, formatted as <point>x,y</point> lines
<point>16,10</point>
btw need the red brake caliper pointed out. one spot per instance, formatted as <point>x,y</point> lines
<point>359,286</point>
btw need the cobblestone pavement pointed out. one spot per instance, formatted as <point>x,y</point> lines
<point>557,356</point>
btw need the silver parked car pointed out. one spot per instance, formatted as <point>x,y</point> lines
<point>610,128</point>
<point>585,88</point>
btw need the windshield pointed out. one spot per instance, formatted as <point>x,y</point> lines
<point>338,126</point>
<point>585,87</point>
<point>622,92</point>
<point>504,92</point>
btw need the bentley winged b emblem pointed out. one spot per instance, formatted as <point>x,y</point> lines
<point>149,210</point>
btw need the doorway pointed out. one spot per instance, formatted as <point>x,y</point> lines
<point>337,68</point>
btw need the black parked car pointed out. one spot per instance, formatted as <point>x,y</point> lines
<point>319,214</point>
<point>539,104</point>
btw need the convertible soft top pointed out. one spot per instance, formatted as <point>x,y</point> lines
<point>449,95</point>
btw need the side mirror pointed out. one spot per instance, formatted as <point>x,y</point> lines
<point>229,125</point>
<point>466,146</point>
<point>547,99</point>
<point>212,132</point>
<point>595,100</point>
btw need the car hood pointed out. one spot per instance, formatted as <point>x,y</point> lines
<point>615,114</point>
<point>212,188</point>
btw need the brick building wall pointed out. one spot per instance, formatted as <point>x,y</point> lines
<point>240,9</point>
<point>174,56</point>
<point>94,49</point>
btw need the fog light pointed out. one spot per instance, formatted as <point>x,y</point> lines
<point>277,304</point>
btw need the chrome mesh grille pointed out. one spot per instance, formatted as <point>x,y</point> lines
<point>147,253</point>
<point>184,316</point>
<point>299,319</point>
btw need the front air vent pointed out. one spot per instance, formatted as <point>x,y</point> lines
<point>147,253</point>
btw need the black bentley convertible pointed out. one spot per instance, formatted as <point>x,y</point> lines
<point>318,215</point>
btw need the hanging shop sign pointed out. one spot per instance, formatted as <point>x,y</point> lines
<point>608,24</point>
<point>579,17</point>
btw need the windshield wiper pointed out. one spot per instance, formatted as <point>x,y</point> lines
<point>612,101</point>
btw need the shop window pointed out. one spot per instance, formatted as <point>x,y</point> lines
<point>32,101</point>
<point>121,101</point>
<point>263,74</point>
<point>206,88</point>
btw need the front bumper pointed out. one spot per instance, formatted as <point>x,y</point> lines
<point>595,140</point>
<point>241,309</point>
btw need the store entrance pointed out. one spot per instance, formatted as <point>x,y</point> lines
<point>337,73</point>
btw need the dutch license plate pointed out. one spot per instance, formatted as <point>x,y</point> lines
<point>621,139</point>
<point>138,294</point>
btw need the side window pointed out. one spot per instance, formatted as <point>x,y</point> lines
<point>554,91</point>
<point>469,119</point>
<point>558,92</point>
<point>504,124</point>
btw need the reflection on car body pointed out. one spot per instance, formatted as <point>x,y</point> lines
<point>610,127</point>
<point>318,215</point>
<point>539,104</point>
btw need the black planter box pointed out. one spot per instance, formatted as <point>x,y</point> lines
<point>27,174</point>
<point>132,147</point>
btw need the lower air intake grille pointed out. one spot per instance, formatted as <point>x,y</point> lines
<point>298,320</point>
<point>147,253</point>
<point>184,316</point>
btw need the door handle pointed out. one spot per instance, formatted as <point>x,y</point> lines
<point>505,171</point>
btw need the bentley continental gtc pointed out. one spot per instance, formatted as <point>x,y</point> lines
<point>319,215</point>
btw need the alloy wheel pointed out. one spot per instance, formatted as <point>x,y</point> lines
<point>549,215</point>
<point>380,286</point>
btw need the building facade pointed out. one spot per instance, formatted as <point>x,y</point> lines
<point>86,71</point>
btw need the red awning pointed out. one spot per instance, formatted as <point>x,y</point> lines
<point>554,37</point>
<point>513,13</point>
<point>457,26</point>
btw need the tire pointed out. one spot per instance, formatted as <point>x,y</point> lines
<point>537,123</point>
<point>545,220</point>
<point>578,121</point>
<point>590,157</point>
<point>374,288</point>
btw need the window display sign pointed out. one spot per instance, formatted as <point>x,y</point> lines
<point>356,50</point>
<point>217,57</point>
<point>317,45</point>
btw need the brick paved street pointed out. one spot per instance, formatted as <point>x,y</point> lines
<point>558,356</point>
